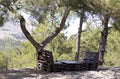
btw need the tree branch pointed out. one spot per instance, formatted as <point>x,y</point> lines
<point>27,34</point>
<point>58,29</point>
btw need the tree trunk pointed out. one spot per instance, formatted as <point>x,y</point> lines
<point>27,34</point>
<point>79,37</point>
<point>40,47</point>
<point>30,38</point>
<point>103,40</point>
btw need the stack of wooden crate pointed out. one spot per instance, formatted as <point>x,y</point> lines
<point>88,63</point>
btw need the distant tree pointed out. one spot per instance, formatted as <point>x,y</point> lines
<point>81,7</point>
<point>105,9</point>
<point>112,54</point>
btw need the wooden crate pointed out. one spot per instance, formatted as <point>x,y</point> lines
<point>46,63</point>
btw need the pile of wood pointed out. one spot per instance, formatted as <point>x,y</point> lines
<point>46,63</point>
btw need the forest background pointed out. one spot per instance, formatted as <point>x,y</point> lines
<point>63,47</point>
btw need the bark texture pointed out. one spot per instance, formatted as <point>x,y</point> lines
<point>103,41</point>
<point>77,53</point>
<point>27,34</point>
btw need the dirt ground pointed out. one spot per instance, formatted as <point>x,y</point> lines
<point>103,73</point>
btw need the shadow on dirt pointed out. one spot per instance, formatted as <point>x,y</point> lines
<point>29,73</point>
<point>19,74</point>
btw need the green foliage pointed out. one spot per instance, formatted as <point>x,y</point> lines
<point>18,57</point>
<point>2,63</point>
<point>6,58</point>
<point>112,52</point>
<point>63,48</point>
<point>90,40</point>
<point>49,13</point>
<point>26,56</point>
<point>42,8</point>
<point>59,46</point>
<point>3,15</point>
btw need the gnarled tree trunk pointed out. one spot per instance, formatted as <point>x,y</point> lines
<point>27,34</point>
<point>40,47</point>
<point>103,40</point>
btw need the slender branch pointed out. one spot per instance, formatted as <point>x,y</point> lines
<point>6,5</point>
<point>58,29</point>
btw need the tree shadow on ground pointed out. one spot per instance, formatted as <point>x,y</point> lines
<point>19,74</point>
<point>29,73</point>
